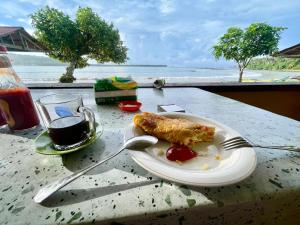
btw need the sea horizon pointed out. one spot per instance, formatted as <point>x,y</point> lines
<point>142,73</point>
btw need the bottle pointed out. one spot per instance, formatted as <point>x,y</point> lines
<point>15,100</point>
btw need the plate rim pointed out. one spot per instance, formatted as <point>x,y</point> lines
<point>244,175</point>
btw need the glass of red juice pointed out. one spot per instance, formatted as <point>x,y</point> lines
<point>2,119</point>
<point>18,107</point>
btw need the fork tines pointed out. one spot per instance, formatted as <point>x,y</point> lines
<point>236,142</point>
<point>240,142</point>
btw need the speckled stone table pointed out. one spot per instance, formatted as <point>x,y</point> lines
<point>121,192</point>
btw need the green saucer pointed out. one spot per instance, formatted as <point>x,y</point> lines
<point>43,144</point>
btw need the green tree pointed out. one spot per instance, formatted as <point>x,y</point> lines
<point>242,45</point>
<point>74,42</point>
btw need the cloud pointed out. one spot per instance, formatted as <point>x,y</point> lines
<point>25,21</point>
<point>12,9</point>
<point>167,7</point>
<point>177,32</point>
<point>32,2</point>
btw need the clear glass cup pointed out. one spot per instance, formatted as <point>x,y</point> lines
<point>68,122</point>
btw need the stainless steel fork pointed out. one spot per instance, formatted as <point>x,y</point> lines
<point>240,142</point>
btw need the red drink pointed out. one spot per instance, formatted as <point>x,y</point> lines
<point>18,107</point>
<point>2,118</point>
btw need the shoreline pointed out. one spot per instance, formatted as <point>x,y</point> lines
<point>274,70</point>
<point>51,74</point>
<point>174,80</point>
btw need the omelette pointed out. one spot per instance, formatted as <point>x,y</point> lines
<point>174,130</point>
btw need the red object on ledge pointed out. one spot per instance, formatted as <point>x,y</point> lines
<point>130,106</point>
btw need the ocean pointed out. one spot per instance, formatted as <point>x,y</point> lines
<point>50,74</point>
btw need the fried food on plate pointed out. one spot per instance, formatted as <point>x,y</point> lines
<point>178,131</point>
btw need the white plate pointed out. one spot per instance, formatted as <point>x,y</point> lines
<point>204,170</point>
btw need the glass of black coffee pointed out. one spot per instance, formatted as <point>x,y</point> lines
<point>69,123</point>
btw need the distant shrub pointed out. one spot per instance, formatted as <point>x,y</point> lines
<point>274,63</point>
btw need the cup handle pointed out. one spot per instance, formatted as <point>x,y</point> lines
<point>89,114</point>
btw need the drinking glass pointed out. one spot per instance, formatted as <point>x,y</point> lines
<point>18,108</point>
<point>68,122</point>
<point>2,119</point>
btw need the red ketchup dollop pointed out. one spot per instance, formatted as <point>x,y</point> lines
<point>180,153</point>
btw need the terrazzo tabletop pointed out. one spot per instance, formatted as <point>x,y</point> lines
<point>121,192</point>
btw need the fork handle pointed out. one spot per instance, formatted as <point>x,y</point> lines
<point>287,148</point>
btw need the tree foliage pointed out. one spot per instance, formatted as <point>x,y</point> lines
<point>87,37</point>
<point>274,63</point>
<point>242,45</point>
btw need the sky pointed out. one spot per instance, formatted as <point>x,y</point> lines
<point>174,33</point>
